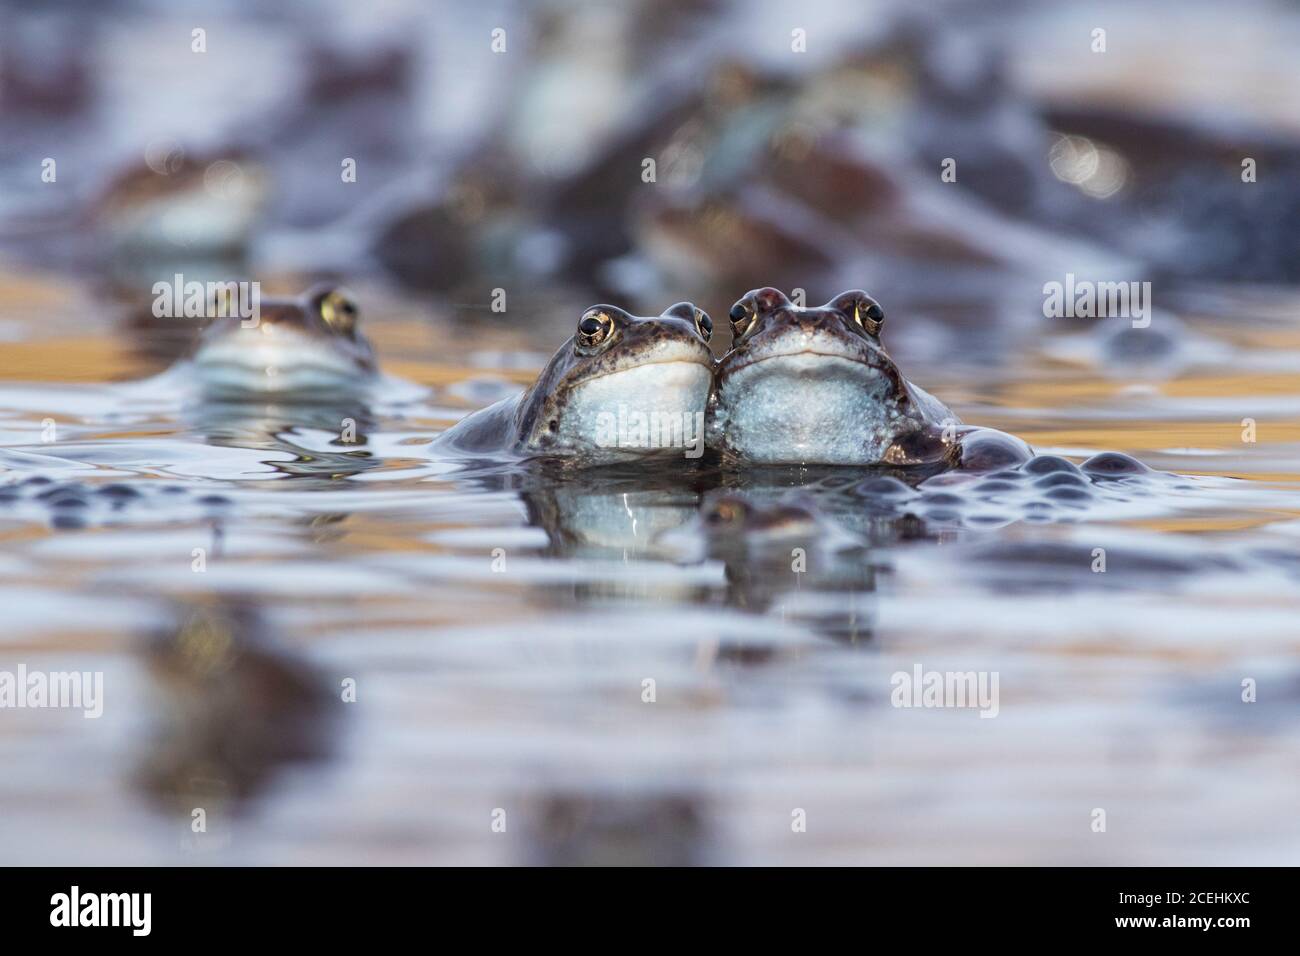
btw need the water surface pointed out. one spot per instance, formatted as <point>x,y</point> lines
<point>500,624</point>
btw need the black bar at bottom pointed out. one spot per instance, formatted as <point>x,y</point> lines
<point>331,906</point>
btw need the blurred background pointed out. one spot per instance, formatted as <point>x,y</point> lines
<point>572,152</point>
<point>950,158</point>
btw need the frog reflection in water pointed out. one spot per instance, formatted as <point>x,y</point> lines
<point>784,556</point>
<point>620,387</point>
<point>816,386</point>
<point>294,349</point>
<point>235,710</point>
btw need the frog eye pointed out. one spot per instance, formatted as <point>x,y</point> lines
<point>594,329</point>
<point>689,312</point>
<point>339,312</point>
<point>703,324</point>
<point>869,315</point>
<point>742,319</point>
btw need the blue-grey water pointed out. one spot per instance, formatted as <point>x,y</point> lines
<point>236,573</point>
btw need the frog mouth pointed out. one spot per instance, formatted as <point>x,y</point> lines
<point>666,353</point>
<point>806,351</point>
<point>287,363</point>
<point>653,363</point>
<point>682,384</point>
<point>815,362</point>
<point>673,377</point>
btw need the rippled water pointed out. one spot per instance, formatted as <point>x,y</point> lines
<point>500,624</point>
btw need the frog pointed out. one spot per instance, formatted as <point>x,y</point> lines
<point>299,347</point>
<point>182,204</point>
<point>622,387</point>
<point>816,386</point>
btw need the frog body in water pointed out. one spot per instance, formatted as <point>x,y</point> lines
<point>182,206</point>
<point>622,386</point>
<point>299,348</point>
<point>816,386</point>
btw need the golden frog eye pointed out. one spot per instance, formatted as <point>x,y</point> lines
<point>339,312</point>
<point>869,315</point>
<point>742,320</point>
<point>703,324</point>
<point>594,330</point>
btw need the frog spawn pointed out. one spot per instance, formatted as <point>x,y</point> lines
<point>80,504</point>
<point>1044,489</point>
